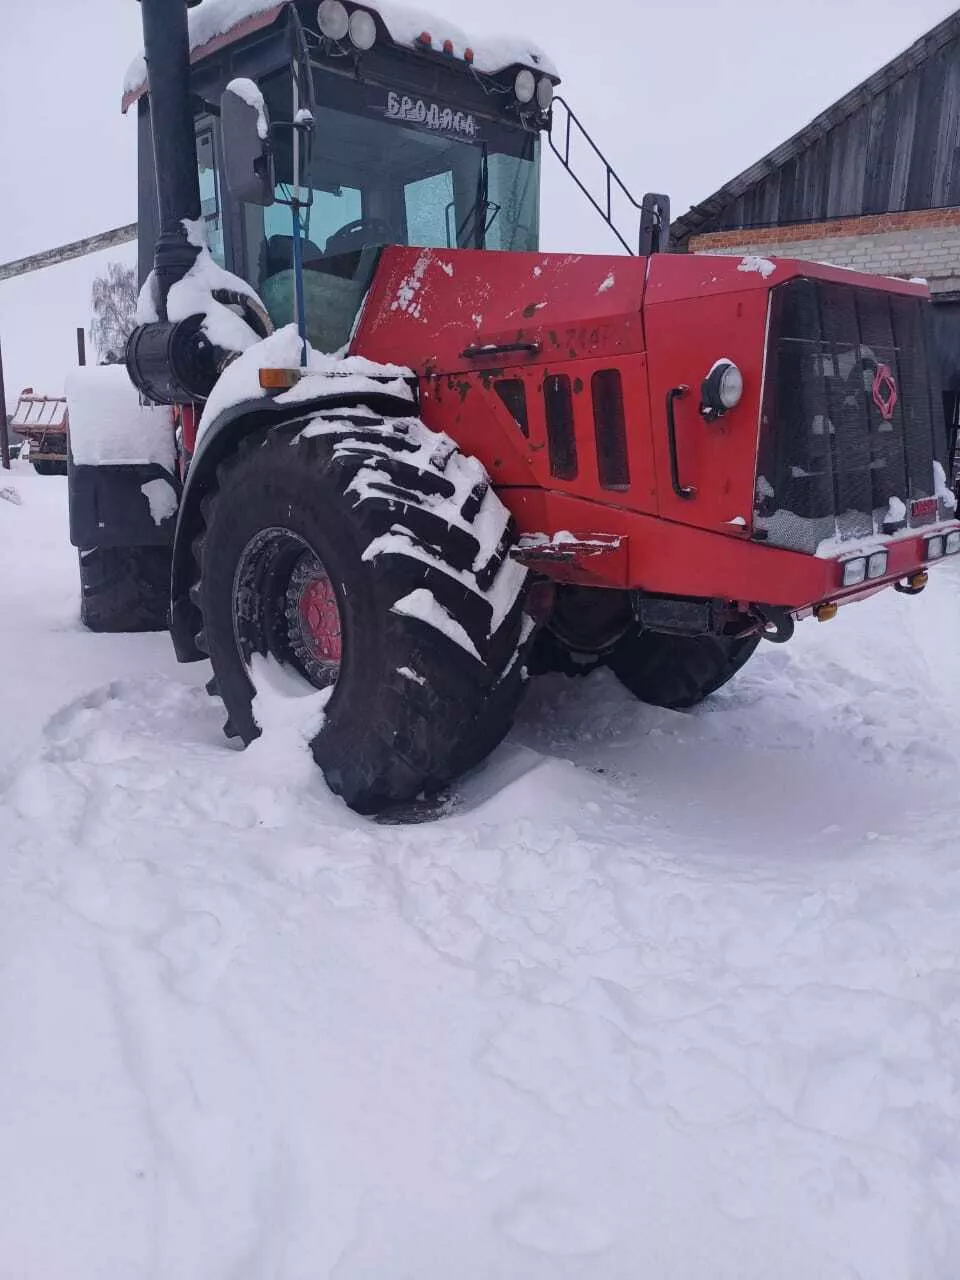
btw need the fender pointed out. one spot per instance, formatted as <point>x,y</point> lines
<point>217,442</point>
<point>122,483</point>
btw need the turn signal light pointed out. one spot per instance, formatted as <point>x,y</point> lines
<point>826,612</point>
<point>279,379</point>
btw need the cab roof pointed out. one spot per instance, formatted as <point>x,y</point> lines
<point>214,24</point>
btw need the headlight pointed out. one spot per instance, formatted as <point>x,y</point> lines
<point>877,565</point>
<point>333,20</point>
<point>525,86</point>
<point>363,30</point>
<point>935,548</point>
<point>544,93</point>
<point>722,390</point>
<point>854,572</point>
<point>952,544</point>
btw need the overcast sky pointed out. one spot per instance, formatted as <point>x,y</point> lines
<point>681,94</point>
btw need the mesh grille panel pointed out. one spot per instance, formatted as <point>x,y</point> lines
<point>850,426</point>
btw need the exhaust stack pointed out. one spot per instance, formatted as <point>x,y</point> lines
<point>172,363</point>
<point>166,44</point>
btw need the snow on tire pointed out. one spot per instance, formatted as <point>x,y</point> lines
<point>370,555</point>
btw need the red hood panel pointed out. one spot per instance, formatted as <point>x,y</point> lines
<point>427,306</point>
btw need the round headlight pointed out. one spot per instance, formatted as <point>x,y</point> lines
<point>333,20</point>
<point>525,86</point>
<point>544,93</point>
<point>363,30</point>
<point>722,390</point>
<point>731,387</point>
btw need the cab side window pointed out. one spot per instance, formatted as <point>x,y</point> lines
<point>211,211</point>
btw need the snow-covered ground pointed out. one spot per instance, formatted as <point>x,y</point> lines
<point>669,996</point>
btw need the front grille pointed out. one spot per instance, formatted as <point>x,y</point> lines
<point>852,422</point>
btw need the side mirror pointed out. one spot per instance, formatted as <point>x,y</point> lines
<point>245,133</point>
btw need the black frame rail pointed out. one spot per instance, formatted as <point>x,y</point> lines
<point>654,209</point>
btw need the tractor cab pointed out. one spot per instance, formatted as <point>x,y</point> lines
<point>332,128</point>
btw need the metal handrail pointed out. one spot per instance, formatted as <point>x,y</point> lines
<point>654,209</point>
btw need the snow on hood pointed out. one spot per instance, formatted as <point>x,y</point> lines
<point>492,54</point>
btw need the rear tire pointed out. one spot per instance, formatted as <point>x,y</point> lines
<point>124,588</point>
<point>677,672</point>
<point>398,540</point>
<point>50,468</point>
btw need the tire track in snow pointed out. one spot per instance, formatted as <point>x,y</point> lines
<point>576,1001</point>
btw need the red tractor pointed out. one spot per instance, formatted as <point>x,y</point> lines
<point>514,460</point>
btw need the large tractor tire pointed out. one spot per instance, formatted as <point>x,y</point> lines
<point>677,672</point>
<point>371,557</point>
<point>124,588</point>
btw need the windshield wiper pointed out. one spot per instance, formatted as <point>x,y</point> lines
<point>484,212</point>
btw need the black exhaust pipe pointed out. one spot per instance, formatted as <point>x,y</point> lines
<point>172,363</point>
<point>166,44</point>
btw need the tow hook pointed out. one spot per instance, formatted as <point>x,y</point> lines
<point>913,585</point>
<point>778,624</point>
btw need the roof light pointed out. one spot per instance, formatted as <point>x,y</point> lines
<point>363,30</point>
<point>425,38</point>
<point>525,86</point>
<point>448,48</point>
<point>545,93</point>
<point>333,20</point>
<point>468,55</point>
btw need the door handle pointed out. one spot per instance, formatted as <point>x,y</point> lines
<point>682,491</point>
<point>501,349</point>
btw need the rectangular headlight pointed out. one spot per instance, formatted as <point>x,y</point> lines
<point>952,543</point>
<point>854,572</point>
<point>877,565</point>
<point>935,547</point>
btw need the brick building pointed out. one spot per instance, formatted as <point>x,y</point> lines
<point>873,183</point>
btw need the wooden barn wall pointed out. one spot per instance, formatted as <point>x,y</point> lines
<point>899,151</point>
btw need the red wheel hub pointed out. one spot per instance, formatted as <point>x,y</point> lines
<point>319,617</point>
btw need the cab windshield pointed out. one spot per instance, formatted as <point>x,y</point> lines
<point>385,169</point>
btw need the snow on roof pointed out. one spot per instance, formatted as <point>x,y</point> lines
<point>491,53</point>
<point>213,20</point>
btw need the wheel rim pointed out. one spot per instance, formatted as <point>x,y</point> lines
<point>285,606</point>
<point>313,616</point>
